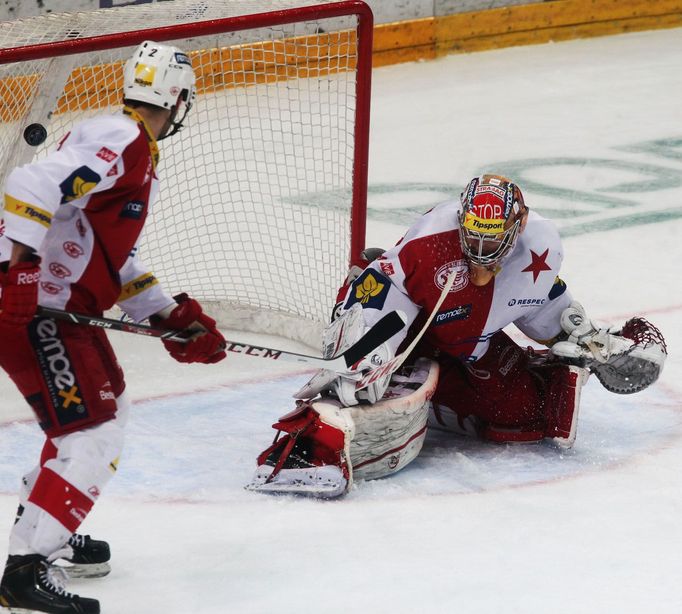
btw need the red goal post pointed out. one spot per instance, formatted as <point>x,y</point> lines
<point>263,194</point>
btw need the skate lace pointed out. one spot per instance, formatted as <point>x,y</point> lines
<point>77,540</point>
<point>54,579</point>
<point>63,553</point>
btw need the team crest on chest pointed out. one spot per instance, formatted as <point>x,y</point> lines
<point>459,269</point>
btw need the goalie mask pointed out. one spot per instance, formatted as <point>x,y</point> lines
<point>161,75</point>
<point>490,219</point>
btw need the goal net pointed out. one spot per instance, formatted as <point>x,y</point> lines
<point>263,193</point>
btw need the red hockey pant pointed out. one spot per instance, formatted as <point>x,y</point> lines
<point>70,377</point>
<point>68,374</point>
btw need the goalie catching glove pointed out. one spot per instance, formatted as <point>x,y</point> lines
<point>206,345</point>
<point>341,334</point>
<point>625,359</point>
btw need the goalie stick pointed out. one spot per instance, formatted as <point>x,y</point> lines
<point>382,331</point>
<point>394,364</point>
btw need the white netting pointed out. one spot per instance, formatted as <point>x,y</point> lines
<point>255,205</point>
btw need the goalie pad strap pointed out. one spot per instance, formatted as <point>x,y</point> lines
<point>282,458</point>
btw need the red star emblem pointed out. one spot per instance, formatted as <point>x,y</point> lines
<point>537,264</point>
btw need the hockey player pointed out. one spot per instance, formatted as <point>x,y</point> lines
<point>462,273</point>
<point>72,223</point>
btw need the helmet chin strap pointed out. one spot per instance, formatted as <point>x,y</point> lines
<point>175,126</point>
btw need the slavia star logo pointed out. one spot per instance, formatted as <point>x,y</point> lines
<point>538,264</point>
<point>369,288</point>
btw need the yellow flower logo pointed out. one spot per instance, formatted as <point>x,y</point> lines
<point>78,184</point>
<point>368,288</point>
<point>82,187</point>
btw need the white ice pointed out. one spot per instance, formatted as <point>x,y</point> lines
<point>468,527</point>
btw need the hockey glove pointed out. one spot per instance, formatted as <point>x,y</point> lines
<point>587,343</point>
<point>341,334</point>
<point>206,346</point>
<point>19,300</point>
<point>625,359</point>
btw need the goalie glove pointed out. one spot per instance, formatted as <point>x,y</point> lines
<point>341,334</point>
<point>586,342</point>
<point>624,359</point>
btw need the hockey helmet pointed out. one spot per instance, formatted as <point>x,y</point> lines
<point>490,218</point>
<point>161,75</point>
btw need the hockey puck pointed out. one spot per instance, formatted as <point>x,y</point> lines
<point>35,134</point>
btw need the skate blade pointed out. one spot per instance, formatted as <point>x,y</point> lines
<point>323,482</point>
<point>327,491</point>
<point>82,570</point>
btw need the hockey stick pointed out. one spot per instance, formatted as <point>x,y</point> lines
<point>382,331</point>
<point>394,364</point>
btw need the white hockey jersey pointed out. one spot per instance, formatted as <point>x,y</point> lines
<point>82,208</point>
<point>526,290</point>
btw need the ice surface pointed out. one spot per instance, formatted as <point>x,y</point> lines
<point>594,129</point>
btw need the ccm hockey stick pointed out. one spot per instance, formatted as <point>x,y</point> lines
<point>382,331</point>
<point>394,364</point>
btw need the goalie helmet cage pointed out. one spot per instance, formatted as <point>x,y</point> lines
<point>263,193</point>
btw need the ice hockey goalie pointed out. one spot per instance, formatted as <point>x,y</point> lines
<point>462,274</point>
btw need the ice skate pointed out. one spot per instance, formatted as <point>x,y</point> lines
<point>31,584</point>
<point>85,557</point>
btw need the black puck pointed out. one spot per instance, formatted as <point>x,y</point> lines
<point>35,134</point>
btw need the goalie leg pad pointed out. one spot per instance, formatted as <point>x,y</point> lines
<point>325,445</point>
<point>390,434</point>
<point>310,457</point>
<point>510,396</point>
<point>562,402</point>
